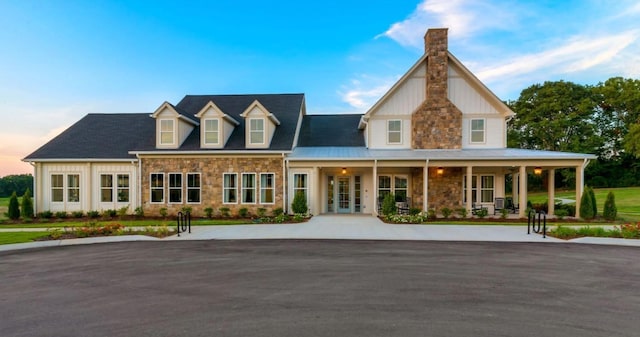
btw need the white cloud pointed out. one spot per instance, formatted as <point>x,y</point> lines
<point>365,90</point>
<point>462,17</point>
<point>577,54</point>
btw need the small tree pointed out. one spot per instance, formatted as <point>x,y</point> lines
<point>27,205</point>
<point>14,209</point>
<point>389,205</point>
<point>592,196</point>
<point>299,205</point>
<point>610,211</point>
<point>586,205</point>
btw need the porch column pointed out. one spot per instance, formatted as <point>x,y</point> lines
<point>375,187</point>
<point>425,186</point>
<point>523,192</point>
<point>469,190</point>
<point>579,187</point>
<point>317,195</point>
<point>514,187</point>
<point>551,191</point>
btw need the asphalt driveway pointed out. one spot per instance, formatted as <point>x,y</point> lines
<point>320,288</point>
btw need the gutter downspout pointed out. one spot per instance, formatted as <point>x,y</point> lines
<point>139,179</point>
<point>285,166</point>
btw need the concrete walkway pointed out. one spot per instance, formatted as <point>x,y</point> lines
<point>339,227</point>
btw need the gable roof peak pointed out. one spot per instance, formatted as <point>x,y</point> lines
<point>267,113</point>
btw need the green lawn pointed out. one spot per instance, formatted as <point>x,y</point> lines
<point>127,223</point>
<point>627,200</point>
<point>20,237</point>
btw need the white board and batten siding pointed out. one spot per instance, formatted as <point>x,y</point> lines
<point>407,97</point>
<point>473,105</point>
<point>89,198</point>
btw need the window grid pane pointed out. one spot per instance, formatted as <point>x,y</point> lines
<point>157,187</point>
<point>57,185</point>
<point>229,188</point>
<point>248,188</point>
<point>256,133</point>
<point>211,131</point>
<point>106,188</point>
<point>193,187</point>
<point>123,187</point>
<point>175,187</point>
<point>73,188</point>
<point>166,132</point>
<point>267,187</point>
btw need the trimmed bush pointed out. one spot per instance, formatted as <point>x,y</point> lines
<point>262,212</point>
<point>45,215</point>
<point>139,211</point>
<point>592,197</point>
<point>446,212</point>
<point>389,205</point>
<point>61,215</point>
<point>208,212</point>
<point>93,214</point>
<point>610,211</point>
<point>27,205</point>
<point>586,205</point>
<point>243,212</point>
<point>277,211</point>
<point>299,205</point>
<point>224,211</point>
<point>14,209</point>
<point>163,212</point>
<point>77,214</point>
<point>414,211</point>
<point>462,212</point>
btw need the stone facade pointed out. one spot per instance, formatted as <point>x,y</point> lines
<point>211,170</point>
<point>445,190</point>
<point>417,187</point>
<point>437,124</point>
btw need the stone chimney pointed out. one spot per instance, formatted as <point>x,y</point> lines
<point>437,124</point>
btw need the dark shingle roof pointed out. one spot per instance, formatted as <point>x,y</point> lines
<point>330,130</point>
<point>112,136</point>
<point>100,136</point>
<point>286,107</point>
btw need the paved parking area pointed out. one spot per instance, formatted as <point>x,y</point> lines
<point>320,288</point>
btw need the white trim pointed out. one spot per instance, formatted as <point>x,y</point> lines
<point>204,152</point>
<point>186,186</point>
<point>250,130</point>
<point>478,191</point>
<point>224,189</point>
<point>242,188</point>
<point>151,189</point>
<point>204,131</point>
<point>169,188</point>
<point>273,188</point>
<point>173,131</point>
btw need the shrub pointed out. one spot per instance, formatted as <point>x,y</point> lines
<point>77,214</point>
<point>262,212</point>
<point>446,212</point>
<point>109,213</point>
<point>277,211</point>
<point>208,212</point>
<point>630,231</point>
<point>462,212</point>
<point>504,213</point>
<point>45,215</point>
<point>483,212</point>
<point>561,213</point>
<point>280,218</point>
<point>298,217</point>
<point>139,211</point>
<point>14,209</point>
<point>414,211</point>
<point>186,209</point>
<point>431,214</point>
<point>299,205</point>
<point>27,205</point>
<point>610,211</point>
<point>93,214</point>
<point>61,215</point>
<point>586,205</point>
<point>592,197</point>
<point>122,211</point>
<point>389,205</point>
<point>243,212</point>
<point>569,208</point>
<point>224,211</point>
<point>163,212</point>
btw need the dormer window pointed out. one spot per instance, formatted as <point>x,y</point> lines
<point>211,132</point>
<point>167,132</point>
<point>256,133</point>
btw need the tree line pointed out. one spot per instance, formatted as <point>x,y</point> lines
<point>15,183</point>
<point>602,119</point>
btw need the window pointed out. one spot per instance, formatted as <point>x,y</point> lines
<point>248,188</point>
<point>166,132</point>
<point>230,188</point>
<point>267,188</point>
<point>106,188</point>
<point>211,132</point>
<point>394,132</point>
<point>157,187</point>
<point>73,188</point>
<point>300,184</point>
<point>123,187</point>
<point>486,191</point>
<point>400,188</point>
<point>477,130</point>
<point>175,188</point>
<point>57,187</point>
<point>193,188</point>
<point>384,186</point>
<point>256,131</point>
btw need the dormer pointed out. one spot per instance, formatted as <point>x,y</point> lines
<point>215,126</point>
<point>260,125</point>
<point>172,127</point>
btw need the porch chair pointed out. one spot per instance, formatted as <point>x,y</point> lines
<point>405,206</point>
<point>513,208</point>
<point>475,208</point>
<point>498,205</point>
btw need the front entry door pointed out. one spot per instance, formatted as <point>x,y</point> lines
<point>344,200</point>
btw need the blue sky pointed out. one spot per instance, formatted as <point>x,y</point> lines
<point>63,59</point>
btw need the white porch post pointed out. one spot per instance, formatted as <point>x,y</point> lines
<point>514,187</point>
<point>375,187</point>
<point>469,189</point>
<point>523,192</point>
<point>579,187</point>
<point>425,186</point>
<point>551,191</point>
<point>317,195</point>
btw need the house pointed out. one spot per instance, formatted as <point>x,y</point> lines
<point>436,139</point>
